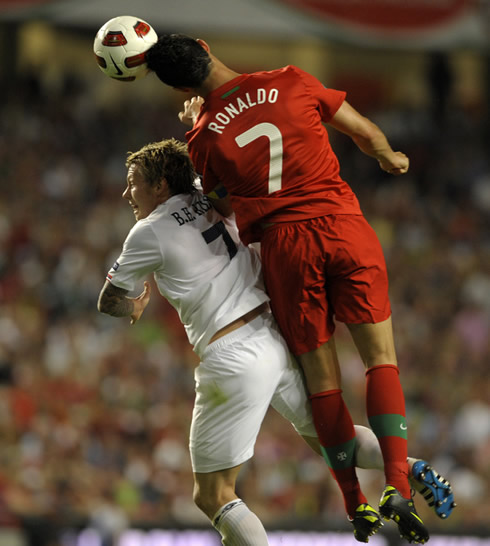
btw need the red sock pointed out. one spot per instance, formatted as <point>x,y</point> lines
<point>386,413</point>
<point>337,438</point>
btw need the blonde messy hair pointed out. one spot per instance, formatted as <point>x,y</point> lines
<point>169,160</point>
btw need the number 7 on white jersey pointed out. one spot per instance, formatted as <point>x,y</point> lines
<point>275,146</point>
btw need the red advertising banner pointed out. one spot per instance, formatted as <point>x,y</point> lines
<point>385,15</point>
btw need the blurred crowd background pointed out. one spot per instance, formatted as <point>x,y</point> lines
<point>94,414</point>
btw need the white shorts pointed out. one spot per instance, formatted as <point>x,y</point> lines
<point>240,375</point>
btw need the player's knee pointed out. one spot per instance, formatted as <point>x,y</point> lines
<point>206,500</point>
<point>210,499</point>
<point>200,501</point>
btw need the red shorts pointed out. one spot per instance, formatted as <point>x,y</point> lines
<point>321,268</point>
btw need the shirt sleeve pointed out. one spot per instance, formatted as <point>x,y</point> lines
<point>202,156</point>
<point>140,256</point>
<point>203,164</point>
<point>329,100</point>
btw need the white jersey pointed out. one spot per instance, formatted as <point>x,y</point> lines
<point>198,262</point>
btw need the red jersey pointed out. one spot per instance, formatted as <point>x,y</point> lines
<point>262,136</point>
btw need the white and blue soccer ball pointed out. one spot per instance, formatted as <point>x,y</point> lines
<point>120,47</point>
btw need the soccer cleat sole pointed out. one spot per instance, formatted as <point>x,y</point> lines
<point>366,522</point>
<point>435,489</point>
<point>402,511</point>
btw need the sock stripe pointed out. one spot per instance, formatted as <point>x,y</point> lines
<point>340,456</point>
<point>225,509</point>
<point>389,425</point>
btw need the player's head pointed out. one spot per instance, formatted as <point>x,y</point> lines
<point>166,160</point>
<point>156,172</point>
<point>179,60</point>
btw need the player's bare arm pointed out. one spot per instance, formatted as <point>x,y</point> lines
<point>221,201</point>
<point>115,302</point>
<point>191,110</point>
<point>369,138</point>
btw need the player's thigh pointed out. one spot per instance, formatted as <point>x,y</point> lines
<point>321,368</point>
<point>290,398</point>
<point>235,384</point>
<point>374,342</point>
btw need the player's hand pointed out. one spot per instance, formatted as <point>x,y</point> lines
<point>141,302</point>
<point>398,163</point>
<point>191,110</point>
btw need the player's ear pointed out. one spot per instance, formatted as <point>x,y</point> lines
<point>203,44</point>
<point>162,190</point>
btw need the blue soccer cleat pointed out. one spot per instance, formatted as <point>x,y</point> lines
<point>435,489</point>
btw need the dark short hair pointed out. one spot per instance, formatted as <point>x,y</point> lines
<point>169,160</point>
<point>179,61</point>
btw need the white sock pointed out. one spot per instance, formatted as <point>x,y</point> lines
<point>239,526</point>
<point>368,451</point>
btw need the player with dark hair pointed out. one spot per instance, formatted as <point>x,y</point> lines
<point>214,282</point>
<point>260,144</point>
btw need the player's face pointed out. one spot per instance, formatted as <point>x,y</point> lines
<point>142,197</point>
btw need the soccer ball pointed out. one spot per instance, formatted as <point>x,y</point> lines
<point>120,46</point>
